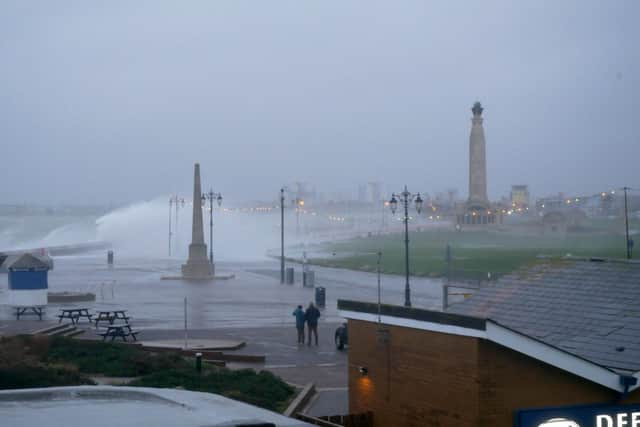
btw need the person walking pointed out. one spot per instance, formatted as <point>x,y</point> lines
<point>312,315</point>
<point>299,313</point>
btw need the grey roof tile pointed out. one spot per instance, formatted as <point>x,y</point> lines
<point>590,309</point>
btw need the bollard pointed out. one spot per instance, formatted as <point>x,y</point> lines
<point>290,279</point>
<point>199,362</point>
<point>308,278</point>
<point>320,296</point>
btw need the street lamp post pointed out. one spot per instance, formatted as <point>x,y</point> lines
<point>406,197</point>
<point>179,202</point>
<point>211,196</point>
<point>299,204</point>
<point>282,235</point>
<point>629,243</point>
<point>383,224</point>
<point>379,258</point>
<point>170,209</point>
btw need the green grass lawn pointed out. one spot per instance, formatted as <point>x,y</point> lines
<point>475,253</point>
<point>40,361</point>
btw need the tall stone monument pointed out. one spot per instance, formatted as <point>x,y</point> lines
<point>477,210</point>
<point>197,266</point>
<point>477,159</point>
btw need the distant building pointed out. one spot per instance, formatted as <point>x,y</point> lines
<point>520,196</point>
<point>362,193</point>
<point>305,192</point>
<point>559,334</point>
<point>559,214</point>
<point>375,192</point>
<point>370,192</point>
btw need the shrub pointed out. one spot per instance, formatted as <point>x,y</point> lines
<point>109,358</point>
<point>25,376</point>
<point>262,389</point>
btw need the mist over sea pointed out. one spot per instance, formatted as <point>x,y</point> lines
<point>142,229</point>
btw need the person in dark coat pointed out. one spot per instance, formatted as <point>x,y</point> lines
<point>299,313</point>
<point>312,315</point>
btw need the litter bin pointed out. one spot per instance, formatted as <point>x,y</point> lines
<point>320,296</point>
<point>308,278</point>
<point>110,257</point>
<point>289,275</point>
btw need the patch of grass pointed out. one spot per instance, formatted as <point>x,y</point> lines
<point>475,253</point>
<point>262,388</point>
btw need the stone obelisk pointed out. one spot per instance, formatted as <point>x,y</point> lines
<point>477,159</point>
<point>197,266</point>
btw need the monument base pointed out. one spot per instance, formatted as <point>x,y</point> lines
<point>197,266</point>
<point>197,270</point>
<point>208,278</point>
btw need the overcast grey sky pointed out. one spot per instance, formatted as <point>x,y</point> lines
<point>115,101</point>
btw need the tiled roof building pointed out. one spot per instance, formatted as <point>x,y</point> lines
<point>590,308</point>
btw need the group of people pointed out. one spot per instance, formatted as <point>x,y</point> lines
<point>309,316</point>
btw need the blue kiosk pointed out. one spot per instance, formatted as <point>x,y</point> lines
<point>28,285</point>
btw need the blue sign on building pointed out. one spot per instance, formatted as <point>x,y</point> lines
<point>28,273</point>
<point>27,280</point>
<point>581,416</point>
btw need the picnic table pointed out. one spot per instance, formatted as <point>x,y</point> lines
<point>121,330</point>
<point>23,310</point>
<point>111,316</point>
<point>74,314</point>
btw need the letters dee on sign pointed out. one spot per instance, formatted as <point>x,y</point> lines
<point>623,419</point>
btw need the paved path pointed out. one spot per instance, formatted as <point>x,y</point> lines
<point>297,364</point>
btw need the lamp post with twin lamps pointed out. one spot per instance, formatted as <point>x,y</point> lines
<point>405,198</point>
<point>178,201</point>
<point>211,196</point>
<point>298,203</point>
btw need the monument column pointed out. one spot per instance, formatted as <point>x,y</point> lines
<point>477,159</point>
<point>197,266</point>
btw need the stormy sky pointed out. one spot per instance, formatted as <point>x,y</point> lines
<point>114,101</point>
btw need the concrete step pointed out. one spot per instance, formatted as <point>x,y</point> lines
<point>220,363</point>
<point>63,331</point>
<point>73,333</point>
<point>49,329</point>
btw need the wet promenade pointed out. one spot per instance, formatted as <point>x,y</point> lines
<point>253,298</point>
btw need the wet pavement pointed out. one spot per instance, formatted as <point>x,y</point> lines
<point>254,298</point>
<point>253,307</point>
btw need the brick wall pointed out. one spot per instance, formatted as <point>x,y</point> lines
<point>510,381</point>
<point>422,378</point>
<point>419,378</point>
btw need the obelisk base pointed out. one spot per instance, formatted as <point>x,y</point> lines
<point>197,266</point>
